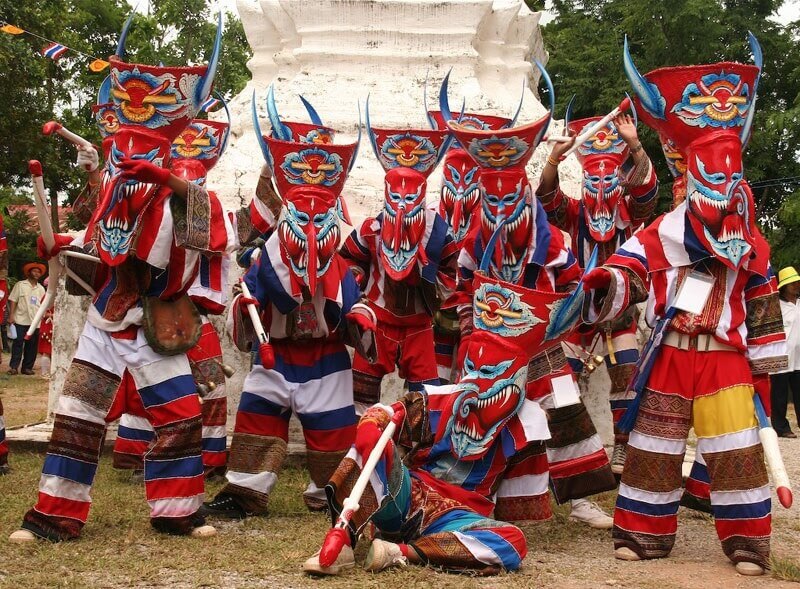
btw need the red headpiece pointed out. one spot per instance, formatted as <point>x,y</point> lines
<point>707,112</point>
<point>408,156</point>
<point>601,157</point>
<point>153,104</point>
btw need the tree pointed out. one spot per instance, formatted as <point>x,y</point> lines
<point>585,44</point>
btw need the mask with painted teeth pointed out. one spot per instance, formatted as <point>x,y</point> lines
<point>719,201</point>
<point>403,225</point>
<point>309,233</point>
<point>601,157</point>
<point>511,325</point>
<point>122,202</point>
<point>506,198</point>
<point>460,192</point>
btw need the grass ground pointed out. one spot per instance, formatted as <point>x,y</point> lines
<point>24,397</point>
<point>119,549</point>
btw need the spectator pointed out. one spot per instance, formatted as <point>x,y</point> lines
<point>25,297</point>
<point>789,287</point>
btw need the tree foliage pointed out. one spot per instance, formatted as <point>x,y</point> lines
<point>585,44</point>
<point>37,89</point>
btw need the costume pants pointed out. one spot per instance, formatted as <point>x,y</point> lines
<point>713,392</point>
<point>621,352</point>
<point>23,350</point>
<point>91,398</point>
<point>443,531</point>
<point>135,434</point>
<point>409,348</point>
<point>781,385</point>
<point>3,443</point>
<point>578,464</point>
<point>312,378</point>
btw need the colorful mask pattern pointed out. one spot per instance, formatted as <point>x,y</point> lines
<point>706,112</point>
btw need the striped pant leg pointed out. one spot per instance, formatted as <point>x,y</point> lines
<point>727,439</point>
<point>260,435</point>
<point>173,468</point>
<point>646,513</point>
<point>3,442</point>
<point>324,405</point>
<point>523,493</point>
<point>621,365</point>
<point>579,465</point>
<point>84,407</point>
<point>134,434</point>
<point>462,540</point>
<point>697,487</point>
<point>206,362</point>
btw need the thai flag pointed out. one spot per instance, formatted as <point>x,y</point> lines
<point>210,104</point>
<point>54,51</point>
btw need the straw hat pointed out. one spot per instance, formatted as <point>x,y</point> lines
<point>43,269</point>
<point>787,276</point>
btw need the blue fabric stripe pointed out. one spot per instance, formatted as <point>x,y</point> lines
<point>433,249</point>
<point>214,444</point>
<point>453,521</point>
<point>264,284</point>
<point>205,271</point>
<point>543,235</point>
<point>325,366</point>
<point>700,473</point>
<point>141,435</point>
<point>251,403</point>
<point>508,554</point>
<point>626,254</point>
<point>694,248</point>
<point>576,365</point>
<point>746,511</point>
<point>69,468</point>
<point>104,295</point>
<point>169,469</point>
<point>643,508</point>
<point>624,357</point>
<point>171,389</point>
<point>328,420</point>
<point>444,349</point>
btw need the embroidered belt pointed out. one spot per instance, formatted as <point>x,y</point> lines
<point>703,342</point>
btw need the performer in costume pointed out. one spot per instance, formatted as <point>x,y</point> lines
<point>523,248</point>
<point>194,153</point>
<point>460,197</point>
<point>618,196</point>
<point>309,301</point>
<point>405,260</point>
<point>148,231</point>
<point>708,361</point>
<point>4,468</point>
<point>467,464</point>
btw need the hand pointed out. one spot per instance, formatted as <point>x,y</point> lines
<point>597,279</point>
<point>763,387</point>
<point>236,289</point>
<point>369,432</point>
<point>362,316</point>
<point>626,129</point>
<point>559,149</point>
<point>88,159</point>
<point>62,242</point>
<point>144,171</point>
<point>243,300</point>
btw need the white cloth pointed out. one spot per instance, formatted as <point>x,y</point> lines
<point>791,325</point>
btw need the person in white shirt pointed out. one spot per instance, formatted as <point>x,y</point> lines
<point>25,297</point>
<point>783,382</point>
